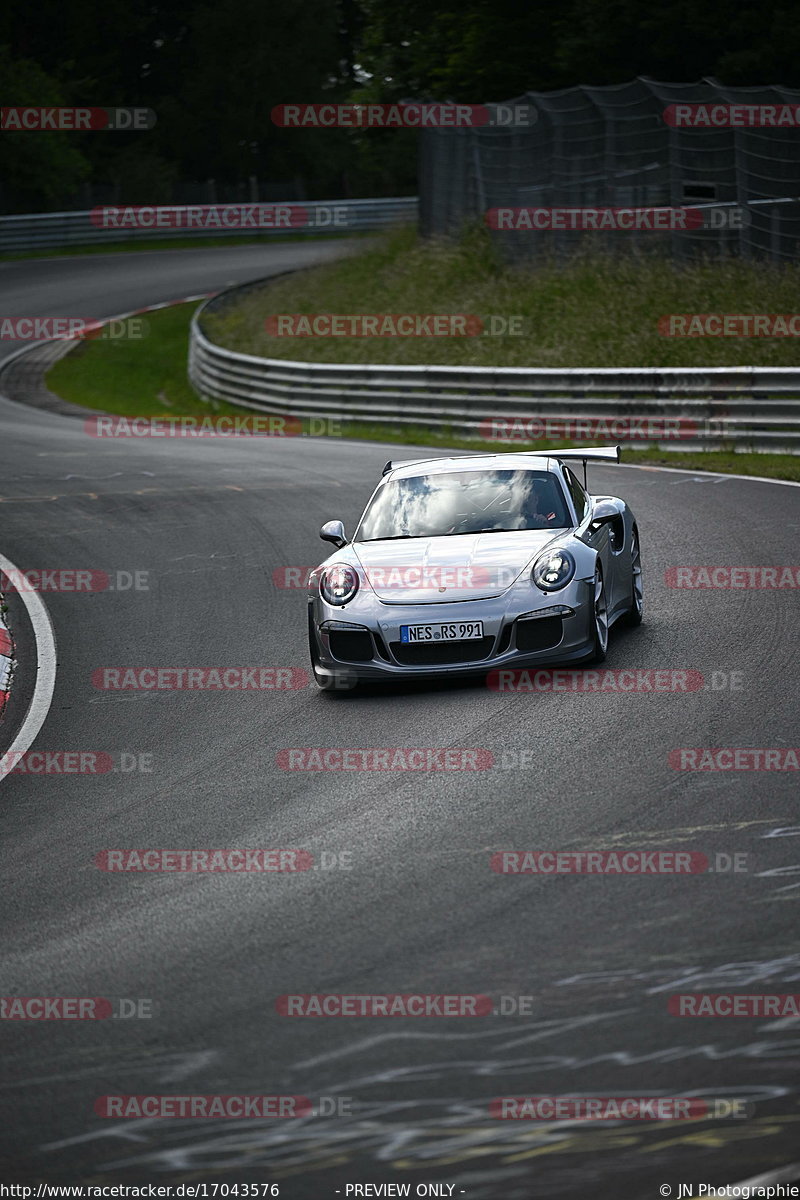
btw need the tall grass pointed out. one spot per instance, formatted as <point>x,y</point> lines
<point>591,311</point>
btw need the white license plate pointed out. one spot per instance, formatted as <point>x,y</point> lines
<point>456,631</point>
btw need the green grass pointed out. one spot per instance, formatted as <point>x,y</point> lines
<point>135,377</point>
<point>595,311</point>
<point>148,378</point>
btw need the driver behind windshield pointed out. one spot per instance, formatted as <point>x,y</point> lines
<point>542,508</point>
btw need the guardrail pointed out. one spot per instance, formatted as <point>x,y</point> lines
<point>37,231</point>
<point>747,408</point>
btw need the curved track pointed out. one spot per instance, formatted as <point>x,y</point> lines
<point>419,910</point>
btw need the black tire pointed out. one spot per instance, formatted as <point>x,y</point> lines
<point>338,685</point>
<point>635,614</point>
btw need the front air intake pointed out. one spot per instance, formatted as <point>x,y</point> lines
<point>541,634</point>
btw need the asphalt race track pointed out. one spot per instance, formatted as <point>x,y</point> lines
<point>419,910</point>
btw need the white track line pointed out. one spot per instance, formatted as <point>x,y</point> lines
<point>758,1184</point>
<point>45,672</point>
<point>700,472</point>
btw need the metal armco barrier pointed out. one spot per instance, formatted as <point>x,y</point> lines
<point>745,407</point>
<point>37,231</point>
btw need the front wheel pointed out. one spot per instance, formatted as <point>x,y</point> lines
<point>340,681</point>
<point>600,617</point>
<point>635,613</point>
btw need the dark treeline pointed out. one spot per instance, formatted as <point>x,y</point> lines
<point>212,72</point>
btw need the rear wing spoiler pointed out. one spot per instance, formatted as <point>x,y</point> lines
<point>589,454</point>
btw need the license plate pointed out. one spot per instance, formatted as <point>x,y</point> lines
<point>457,631</point>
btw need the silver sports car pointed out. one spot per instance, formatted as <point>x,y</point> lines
<point>464,565</point>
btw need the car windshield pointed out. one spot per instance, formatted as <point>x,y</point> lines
<point>459,502</point>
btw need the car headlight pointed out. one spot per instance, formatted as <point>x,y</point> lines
<point>553,570</point>
<point>338,584</point>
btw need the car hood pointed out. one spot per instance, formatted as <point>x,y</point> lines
<point>441,570</point>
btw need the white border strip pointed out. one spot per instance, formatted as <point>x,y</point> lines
<point>787,1174</point>
<point>758,1184</point>
<point>42,697</point>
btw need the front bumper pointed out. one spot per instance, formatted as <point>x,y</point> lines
<point>522,628</point>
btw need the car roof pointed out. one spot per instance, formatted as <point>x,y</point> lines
<point>472,462</point>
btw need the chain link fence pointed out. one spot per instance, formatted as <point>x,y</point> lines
<point>626,147</point>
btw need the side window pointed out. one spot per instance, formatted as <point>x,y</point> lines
<point>579,497</point>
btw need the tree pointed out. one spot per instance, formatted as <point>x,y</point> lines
<point>38,170</point>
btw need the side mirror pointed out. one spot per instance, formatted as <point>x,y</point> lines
<point>333,531</point>
<point>603,512</point>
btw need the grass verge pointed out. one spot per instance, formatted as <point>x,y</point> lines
<point>593,311</point>
<point>135,377</point>
<point>147,378</point>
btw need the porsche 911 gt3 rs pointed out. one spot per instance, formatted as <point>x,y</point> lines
<point>462,565</point>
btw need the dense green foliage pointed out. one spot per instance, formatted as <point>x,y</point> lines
<point>213,73</point>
